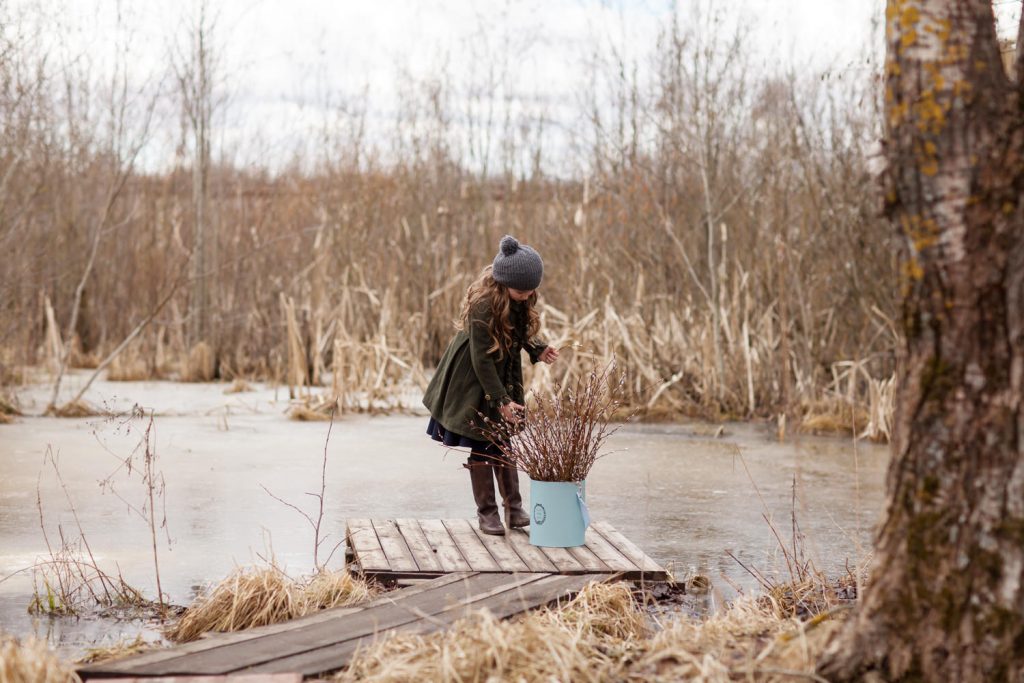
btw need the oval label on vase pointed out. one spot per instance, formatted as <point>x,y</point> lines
<point>539,513</point>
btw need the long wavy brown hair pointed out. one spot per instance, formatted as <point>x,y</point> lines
<point>487,291</point>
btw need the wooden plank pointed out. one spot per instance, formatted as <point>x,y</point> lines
<point>649,567</point>
<point>362,538</point>
<point>326,646</point>
<point>222,640</point>
<point>591,562</point>
<point>502,551</point>
<point>515,595</point>
<point>548,590</point>
<point>443,546</point>
<point>304,637</point>
<point>287,650</point>
<point>535,560</point>
<point>236,678</point>
<point>608,554</point>
<point>426,558</point>
<point>473,550</point>
<point>398,553</point>
<point>561,558</point>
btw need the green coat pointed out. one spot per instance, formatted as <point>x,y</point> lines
<point>471,382</point>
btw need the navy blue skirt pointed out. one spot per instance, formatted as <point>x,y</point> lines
<point>437,432</point>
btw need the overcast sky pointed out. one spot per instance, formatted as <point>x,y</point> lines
<point>288,62</point>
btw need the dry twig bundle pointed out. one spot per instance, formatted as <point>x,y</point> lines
<point>560,437</point>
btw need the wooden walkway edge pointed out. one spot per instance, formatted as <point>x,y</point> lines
<point>396,549</point>
<point>326,641</point>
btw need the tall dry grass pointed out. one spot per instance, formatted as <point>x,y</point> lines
<point>723,242</point>
<point>31,661</point>
<point>604,634</point>
<point>251,597</point>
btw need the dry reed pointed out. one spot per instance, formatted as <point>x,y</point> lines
<point>603,634</point>
<point>31,661</point>
<point>589,639</point>
<point>129,367</point>
<point>251,597</point>
<point>725,292</point>
<point>199,366</point>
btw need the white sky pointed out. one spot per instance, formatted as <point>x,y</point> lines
<point>289,63</point>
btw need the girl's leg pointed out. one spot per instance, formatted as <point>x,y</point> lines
<point>508,484</point>
<point>480,475</point>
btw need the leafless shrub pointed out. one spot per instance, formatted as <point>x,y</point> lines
<point>69,579</point>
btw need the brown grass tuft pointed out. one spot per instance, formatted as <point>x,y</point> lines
<point>239,386</point>
<point>128,368</point>
<point>256,597</point>
<point>316,409</point>
<point>8,408</point>
<point>31,661</point>
<point>78,408</point>
<point>589,639</point>
<point>200,364</point>
<point>833,417</point>
<point>125,648</point>
<point>602,635</point>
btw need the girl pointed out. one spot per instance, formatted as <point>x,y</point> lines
<point>481,376</point>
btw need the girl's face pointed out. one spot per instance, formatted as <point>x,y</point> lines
<point>520,294</point>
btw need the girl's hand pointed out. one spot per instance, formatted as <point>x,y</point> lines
<point>549,355</point>
<point>512,412</point>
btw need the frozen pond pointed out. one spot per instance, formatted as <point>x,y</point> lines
<point>682,494</point>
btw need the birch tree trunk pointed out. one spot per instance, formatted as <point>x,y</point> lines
<point>945,601</point>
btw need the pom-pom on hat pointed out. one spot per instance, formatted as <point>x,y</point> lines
<point>517,265</point>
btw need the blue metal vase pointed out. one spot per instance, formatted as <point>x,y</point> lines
<point>558,513</point>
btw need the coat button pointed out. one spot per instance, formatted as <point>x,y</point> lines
<point>487,396</point>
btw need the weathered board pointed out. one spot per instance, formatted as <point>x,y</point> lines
<point>240,678</point>
<point>325,641</point>
<point>392,550</point>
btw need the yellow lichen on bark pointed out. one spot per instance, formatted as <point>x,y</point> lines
<point>922,233</point>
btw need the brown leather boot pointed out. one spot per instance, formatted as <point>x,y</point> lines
<point>483,494</point>
<point>508,484</point>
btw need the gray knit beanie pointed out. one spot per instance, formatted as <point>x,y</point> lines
<point>517,265</point>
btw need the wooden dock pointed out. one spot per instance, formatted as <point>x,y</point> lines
<point>325,641</point>
<point>456,570</point>
<point>393,550</point>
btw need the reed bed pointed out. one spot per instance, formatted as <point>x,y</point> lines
<point>727,291</point>
<point>251,597</point>
<point>31,661</point>
<point>603,634</point>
